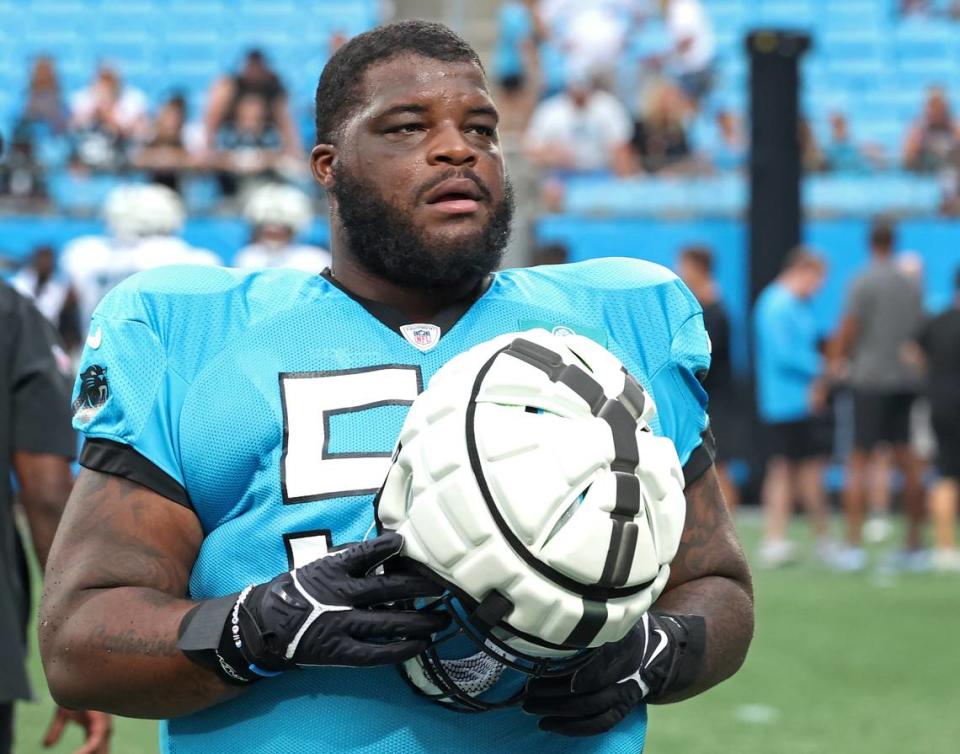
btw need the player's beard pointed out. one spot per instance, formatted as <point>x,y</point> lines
<point>386,243</point>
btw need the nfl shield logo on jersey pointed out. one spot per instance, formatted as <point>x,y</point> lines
<point>421,336</point>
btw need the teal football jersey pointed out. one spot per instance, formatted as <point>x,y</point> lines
<point>270,402</point>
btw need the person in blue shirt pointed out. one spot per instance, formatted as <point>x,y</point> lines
<point>516,61</point>
<point>791,402</point>
<point>238,425</point>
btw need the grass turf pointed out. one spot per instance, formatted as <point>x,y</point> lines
<point>840,664</point>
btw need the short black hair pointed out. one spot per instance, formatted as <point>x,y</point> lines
<point>882,234</point>
<point>337,90</point>
<point>700,255</point>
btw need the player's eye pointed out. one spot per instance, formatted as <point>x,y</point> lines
<point>486,131</point>
<point>405,128</point>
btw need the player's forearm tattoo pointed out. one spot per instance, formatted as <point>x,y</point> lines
<point>115,601</point>
<point>709,544</point>
<point>709,576</point>
<point>132,562</point>
<point>126,641</point>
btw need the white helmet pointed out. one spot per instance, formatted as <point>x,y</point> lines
<point>527,479</point>
<point>278,204</point>
<point>137,210</point>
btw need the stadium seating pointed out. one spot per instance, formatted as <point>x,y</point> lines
<point>726,195</point>
<point>866,62</point>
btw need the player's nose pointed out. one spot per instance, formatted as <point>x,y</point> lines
<point>451,147</point>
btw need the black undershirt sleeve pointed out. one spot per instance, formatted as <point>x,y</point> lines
<point>701,458</point>
<point>111,457</point>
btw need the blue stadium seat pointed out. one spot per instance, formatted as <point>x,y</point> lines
<point>10,105</point>
<point>853,15</point>
<point>185,20</point>
<point>11,23</point>
<point>79,194</point>
<point>127,51</point>
<point>205,46</point>
<point>723,195</point>
<point>868,195</point>
<point>790,14</point>
<point>192,75</point>
<point>283,18</point>
<point>128,17</point>
<point>853,44</point>
<point>200,193</point>
<point>902,103</point>
<point>734,15</point>
<point>889,134</point>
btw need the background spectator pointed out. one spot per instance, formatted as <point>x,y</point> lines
<point>660,141</point>
<point>249,146</point>
<point>44,112</point>
<point>791,399</point>
<point>884,313</point>
<point>939,344</point>
<point>932,141</point>
<point>40,281</point>
<point>695,267</point>
<point>104,118</point>
<point>21,174</point>
<point>729,150</point>
<point>841,155</point>
<point>164,154</point>
<point>516,62</point>
<point>36,445</point>
<point>582,129</point>
<point>812,159</point>
<point>231,95</point>
<point>914,8</point>
<point>693,46</point>
<point>592,35</point>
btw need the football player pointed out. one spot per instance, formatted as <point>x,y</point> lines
<point>277,215</point>
<point>242,422</point>
<point>143,221</point>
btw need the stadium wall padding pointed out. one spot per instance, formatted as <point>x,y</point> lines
<point>842,241</point>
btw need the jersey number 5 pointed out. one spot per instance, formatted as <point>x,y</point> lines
<point>309,470</point>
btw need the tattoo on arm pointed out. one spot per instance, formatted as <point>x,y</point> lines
<point>709,577</point>
<point>116,592</point>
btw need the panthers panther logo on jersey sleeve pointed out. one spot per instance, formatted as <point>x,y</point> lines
<point>93,392</point>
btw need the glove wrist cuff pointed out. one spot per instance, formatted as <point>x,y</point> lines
<point>206,638</point>
<point>683,661</point>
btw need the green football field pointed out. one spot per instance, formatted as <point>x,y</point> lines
<point>841,664</point>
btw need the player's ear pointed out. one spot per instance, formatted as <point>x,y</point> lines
<point>323,159</point>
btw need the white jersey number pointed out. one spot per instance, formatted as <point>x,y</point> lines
<point>309,470</point>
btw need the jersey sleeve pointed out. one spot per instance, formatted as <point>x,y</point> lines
<point>681,398</point>
<point>127,398</point>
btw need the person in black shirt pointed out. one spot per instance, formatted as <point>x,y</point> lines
<point>254,79</point>
<point>695,268</point>
<point>939,343</point>
<point>660,141</point>
<point>36,444</point>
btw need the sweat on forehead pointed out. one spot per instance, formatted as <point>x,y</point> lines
<point>414,79</point>
<point>340,89</point>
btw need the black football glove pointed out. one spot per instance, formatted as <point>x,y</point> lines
<point>332,611</point>
<point>661,653</point>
